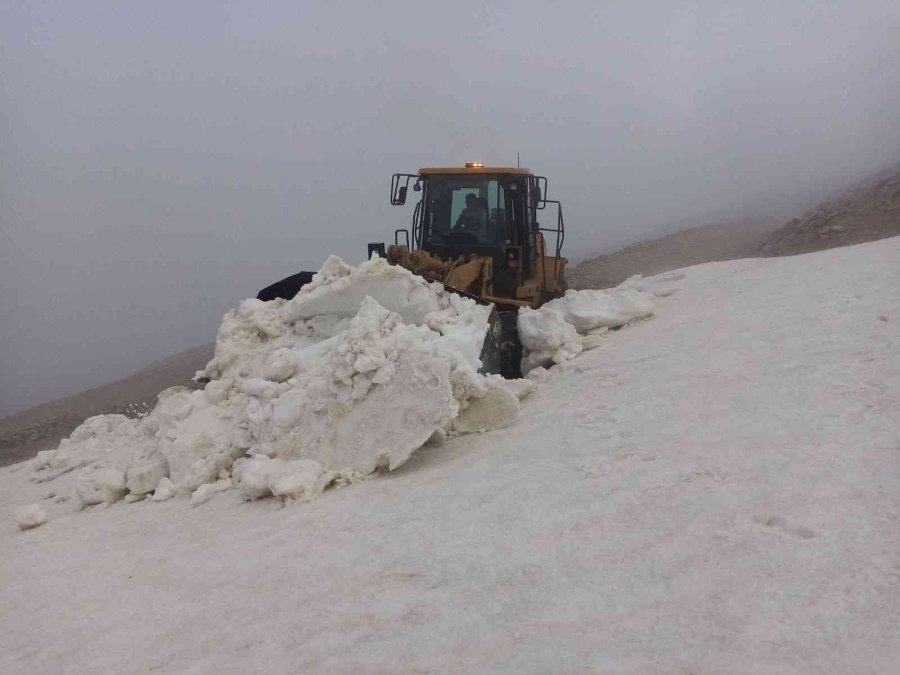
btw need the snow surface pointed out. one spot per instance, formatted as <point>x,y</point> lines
<point>711,490</point>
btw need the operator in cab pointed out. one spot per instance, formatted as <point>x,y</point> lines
<point>473,218</point>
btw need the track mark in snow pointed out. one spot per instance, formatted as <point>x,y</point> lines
<point>601,468</point>
<point>887,565</point>
<point>780,526</point>
<point>702,474</point>
<point>592,417</point>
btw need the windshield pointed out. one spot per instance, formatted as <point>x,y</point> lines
<point>468,209</point>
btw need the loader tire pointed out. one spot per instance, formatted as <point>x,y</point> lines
<point>510,346</point>
<point>501,353</point>
<point>490,350</point>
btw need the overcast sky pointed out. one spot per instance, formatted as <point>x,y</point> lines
<point>160,161</point>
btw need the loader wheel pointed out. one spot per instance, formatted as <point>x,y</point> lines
<point>501,353</point>
<point>490,350</point>
<point>510,346</point>
<point>287,288</point>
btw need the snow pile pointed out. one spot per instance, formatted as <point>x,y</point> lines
<point>354,374</point>
<point>608,308</point>
<point>711,490</point>
<point>562,328</point>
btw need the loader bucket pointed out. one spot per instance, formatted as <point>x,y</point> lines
<point>287,288</point>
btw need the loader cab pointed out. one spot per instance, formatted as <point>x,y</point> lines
<point>471,213</point>
<point>501,195</point>
<point>482,211</point>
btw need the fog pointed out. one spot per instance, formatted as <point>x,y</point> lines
<point>161,161</point>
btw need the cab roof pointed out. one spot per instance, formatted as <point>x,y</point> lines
<point>476,169</point>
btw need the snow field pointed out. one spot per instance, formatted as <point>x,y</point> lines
<point>713,490</point>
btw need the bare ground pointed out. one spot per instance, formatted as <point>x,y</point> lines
<point>44,426</point>
<point>868,211</point>
<point>708,243</point>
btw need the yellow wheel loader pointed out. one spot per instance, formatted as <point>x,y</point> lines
<point>476,230</point>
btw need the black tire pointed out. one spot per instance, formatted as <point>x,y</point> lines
<point>490,350</point>
<point>501,353</point>
<point>510,346</point>
<point>286,288</point>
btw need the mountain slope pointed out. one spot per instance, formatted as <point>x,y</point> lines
<point>43,426</point>
<point>868,211</point>
<point>711,490</point>
<point>694,246</point>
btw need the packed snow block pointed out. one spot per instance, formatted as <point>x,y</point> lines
<point>101,486</point>
<point>519,388</point>
<point>261,476</point>
<point>381,430</point>
<point>302,484</point>
<point>99,427</point>
<point>497,408</point>
<point>98,440</point>
<point>30,516</point>
<point>592,339</point>
<point>614,307</point>
<point>339,289</point>
<point>209,490</point>
<point>655,285</point>
<point>43,459</point>
<point>546,337</point>
<point>197,439</point>
<point>165,490</point>
<point>145,473</point>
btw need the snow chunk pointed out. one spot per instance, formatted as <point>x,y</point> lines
<point>209,490</point>
<point>611,308</point>
<point>653,285</point>
<point>261,476</point>
<point>198,439</point>
<point>576,322</point>
<point>165,490</point>
<point>339,289</point>
<point>104,486</point>
<point>381,430</point>
<point>546,337</point>
<point>29,516</point>
<point>538,375</point>
<point>497,408</point>
<point>146,472</point>
<point>518,388</point>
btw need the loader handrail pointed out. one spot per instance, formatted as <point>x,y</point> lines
<point>560,231</point>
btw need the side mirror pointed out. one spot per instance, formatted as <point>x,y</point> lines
<point>535,195</point>
<point>401,194</point>
<point>417,187</point>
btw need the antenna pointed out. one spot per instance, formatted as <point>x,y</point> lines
<point>518,163</point>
